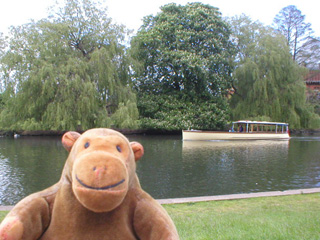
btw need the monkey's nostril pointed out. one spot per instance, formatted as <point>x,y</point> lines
<point>104,168</point>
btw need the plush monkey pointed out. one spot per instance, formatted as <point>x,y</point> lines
<point>98,196</point>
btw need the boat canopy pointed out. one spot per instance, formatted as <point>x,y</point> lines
<point>260,122</point>
<point>259,126</point>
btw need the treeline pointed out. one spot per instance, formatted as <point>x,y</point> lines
<point>187,67</point>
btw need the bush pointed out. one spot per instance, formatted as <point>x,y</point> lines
<point>171,113</point>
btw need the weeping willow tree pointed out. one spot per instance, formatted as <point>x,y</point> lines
<point>269,84</point>
<point>67,71</point>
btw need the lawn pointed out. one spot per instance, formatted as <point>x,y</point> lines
<point>295,217</point>
<point>286,217</point>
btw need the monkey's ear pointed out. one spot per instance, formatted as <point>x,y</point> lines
<point>68,139</point>
<point>138,150</point>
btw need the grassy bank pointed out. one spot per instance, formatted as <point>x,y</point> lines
<point>294,217</point>
<point>289,217</point>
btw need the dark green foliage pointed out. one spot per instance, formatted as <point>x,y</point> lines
<point>67,71</point>
<point>170,113</point>
<point>183,54</point>
<point>313,97</point>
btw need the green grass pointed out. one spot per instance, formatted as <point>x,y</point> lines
<point>3,214</point>
<point>289,218</point>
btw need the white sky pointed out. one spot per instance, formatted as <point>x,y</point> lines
<point>131,12</point>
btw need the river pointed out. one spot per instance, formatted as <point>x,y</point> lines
<point>173,168</point>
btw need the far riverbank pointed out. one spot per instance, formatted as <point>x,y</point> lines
<point>60,133</point>
<point>9,133</point>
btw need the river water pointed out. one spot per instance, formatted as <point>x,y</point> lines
<point>173,168</point>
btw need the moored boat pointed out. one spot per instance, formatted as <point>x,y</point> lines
<point>243,130</point>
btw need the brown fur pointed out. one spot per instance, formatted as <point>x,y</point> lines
<point>98,196</point>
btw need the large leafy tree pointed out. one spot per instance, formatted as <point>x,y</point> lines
<point>183,52</point>
<point>269,84</point>
<point>66,71</point>
<point>291,23</point>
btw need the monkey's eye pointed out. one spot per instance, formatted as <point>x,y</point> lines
<point>119,148</point>
<point>86,145</point>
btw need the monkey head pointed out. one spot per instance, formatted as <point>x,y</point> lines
<point>101,167</point>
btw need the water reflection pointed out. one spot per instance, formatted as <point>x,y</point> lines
<point>185,169</point>
<point>239,166</point>
<point>173,168</point>
<point>28,165</point>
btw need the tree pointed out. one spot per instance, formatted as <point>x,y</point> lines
<point>2,43</point>
<point>268,83</point>
<point>313,97</point>
<point>183,52</point>
<point>309,55</point>
<point>67,71</point>
<point>2,50</point>
<point>291,23</point>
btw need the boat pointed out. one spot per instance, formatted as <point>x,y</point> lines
<point>229,144</point>
<point>242,130</point>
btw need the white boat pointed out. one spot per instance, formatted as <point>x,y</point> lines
<point>227,144</point>
<point>243,130</point>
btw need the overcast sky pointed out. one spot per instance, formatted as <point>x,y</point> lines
<point>131,12</point>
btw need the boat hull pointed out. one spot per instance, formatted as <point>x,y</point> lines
<point>207,135</point>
